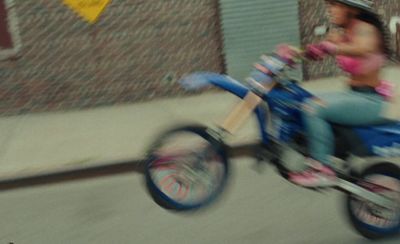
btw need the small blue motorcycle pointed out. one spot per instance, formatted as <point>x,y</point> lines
<point>187,166</point>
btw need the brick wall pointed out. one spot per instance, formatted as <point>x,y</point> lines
<point>5,37</point>
<point>312,14</point>
<point>135,52</point>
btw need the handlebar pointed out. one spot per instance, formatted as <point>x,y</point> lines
<point>270,68</point>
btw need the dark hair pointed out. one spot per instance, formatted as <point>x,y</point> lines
<point>375,20</point>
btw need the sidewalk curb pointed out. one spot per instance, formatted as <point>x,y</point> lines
<point>105,169</point>
<point>76,173</point>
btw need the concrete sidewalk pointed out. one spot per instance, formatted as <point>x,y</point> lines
<point>52,142</point>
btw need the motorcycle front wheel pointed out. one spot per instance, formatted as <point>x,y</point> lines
<point>186,168</point>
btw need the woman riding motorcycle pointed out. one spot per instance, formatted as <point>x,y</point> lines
<point>360,46</point>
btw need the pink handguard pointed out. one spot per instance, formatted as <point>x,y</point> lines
<point>287,53</point>
<point>386,89</point>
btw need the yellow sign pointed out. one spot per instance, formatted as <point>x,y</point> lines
<point>90,10</point>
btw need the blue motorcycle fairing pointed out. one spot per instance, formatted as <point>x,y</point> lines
<point>284,103</point>
<point>381,140</point>
<point>285,106</point>
<point>393,129</point>
<point>200,80</point>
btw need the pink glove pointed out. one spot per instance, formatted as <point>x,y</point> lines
<point>320,50</point>
<point>315,52</point>
<point>328,47</point>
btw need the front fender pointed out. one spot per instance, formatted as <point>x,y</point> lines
<point>200,80</point>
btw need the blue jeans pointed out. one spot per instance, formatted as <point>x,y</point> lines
<point>345,108</point>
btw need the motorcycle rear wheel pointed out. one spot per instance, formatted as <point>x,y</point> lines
<point>370,220</point>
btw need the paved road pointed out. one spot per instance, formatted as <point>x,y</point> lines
<point>257,208</point>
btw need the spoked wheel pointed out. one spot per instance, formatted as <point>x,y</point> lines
<point>186,169</point>
<point>370,220</point>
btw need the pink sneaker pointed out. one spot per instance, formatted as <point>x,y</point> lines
<point>318,175</point>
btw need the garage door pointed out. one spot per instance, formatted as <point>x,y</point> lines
<point>253,27</point>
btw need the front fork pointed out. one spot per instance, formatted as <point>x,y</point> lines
<point>239,115</point>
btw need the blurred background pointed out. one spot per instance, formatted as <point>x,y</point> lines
<point>136,50</point>
<point>86,84</point>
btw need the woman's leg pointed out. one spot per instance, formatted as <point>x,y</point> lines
<point>346,108</point>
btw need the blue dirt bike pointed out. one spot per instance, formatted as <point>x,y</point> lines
<point>187,166</point>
